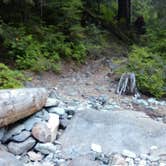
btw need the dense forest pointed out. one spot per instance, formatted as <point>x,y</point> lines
<point>37,35</point>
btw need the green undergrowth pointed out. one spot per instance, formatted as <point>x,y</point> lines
<point>10,78</point>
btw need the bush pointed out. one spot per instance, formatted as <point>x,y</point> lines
<point>10,78</point>
<point>149,70</point>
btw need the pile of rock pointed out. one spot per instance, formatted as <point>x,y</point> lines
<point>34,138</point>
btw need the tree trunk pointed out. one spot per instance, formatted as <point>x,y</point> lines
<point>17,104</point>
<point>124,11</point>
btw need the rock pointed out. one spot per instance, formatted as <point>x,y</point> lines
<point>64,123</point>
<point>96,148</point>
<point>140,102</point>
<point>118,160</point>
<point>8,159</point>
<point>51,102</point>
<point>45,148</point>
<point>83,161</point>
<point>3,148</point>
<point>128,153</point>
<point>21,137</point>
<point>43,114</point>
<point>2,133</point>
<point>57,110</point>
<point>53,124</point>
<point>108,129</point>
<point>142,163</point>
<point>41,132</point>
<point>153,158</point>
<point>35,156</point>
<point>13,131</point>
<point>20,148</point>
<point>30,122</point>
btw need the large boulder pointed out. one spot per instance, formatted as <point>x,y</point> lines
<point>113,131</point>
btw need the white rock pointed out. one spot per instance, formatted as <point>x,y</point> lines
<point>35,156</point>
<point>53,125</point>
<point>128,153</point>
<point>142,163</point>
<point>51,102</point>
<point>96,148</point>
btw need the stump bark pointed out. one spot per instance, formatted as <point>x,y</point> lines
<point>127,85</point>
<point>16,104</point>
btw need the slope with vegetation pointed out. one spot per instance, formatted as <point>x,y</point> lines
<point>37,35</point>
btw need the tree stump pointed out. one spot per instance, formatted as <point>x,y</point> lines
<point>127,85</point>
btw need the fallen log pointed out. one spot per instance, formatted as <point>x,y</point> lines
<point>16,104</point>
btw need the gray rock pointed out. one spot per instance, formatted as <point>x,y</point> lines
<point>43,114</point>
<point>83,161</point>
<point>57,110</point>
<point>128,153</point>
<point>118,160</point>
<point>21,137</point>
<point>52,102</point>
<point>2,133</point>
<point>41,132</point>
<point>8,159</point>
<point>110,128</point>
<point>20,148</point>
<point>30,122</point>
<point>13,131</point>
<point>45,148</point>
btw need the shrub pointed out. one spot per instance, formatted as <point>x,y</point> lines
<point>149,70</point>
<point>10,78</point>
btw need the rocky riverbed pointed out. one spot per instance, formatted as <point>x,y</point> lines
<point>84,123</point>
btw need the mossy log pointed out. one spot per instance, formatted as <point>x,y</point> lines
<point>16,104</point>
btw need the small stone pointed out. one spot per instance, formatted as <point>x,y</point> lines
<point>128,153</point>
<point>13,131</point>
<point>49,157</point>
<point>142,163</point>
<point>2,133</point>
<point>143,156</point>
<point>35,156</point>
<point>53,125</point>
<point>118,160</point>
<point>30,122</point>
<point>45,148</point>
<point>130,161</point>
<point>153,158</point>
<point>20,148</point>
<point>57,110</point>
<point>64,123</point>
<point>96,148</point>
<point>43,115</point>
<point>8,159</point>
<point>162,164</point>
<point>21,137</point>
<point>41,132</point>
<point>51,102</point>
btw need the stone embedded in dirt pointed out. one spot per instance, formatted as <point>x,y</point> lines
<point>53,124</point>
<point>30,122</point>
<point>96,148</point>
<point>83,161</point>
<point>128,153</point>
<point>13,131</point>
<point>41,132</point>
<point>51,102</point>
<point>45,148</point>
<point>21,136</point>
<point>8,159</point>
<point>57,110</point>
<point>33,156</point>
<point>21,147</point>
